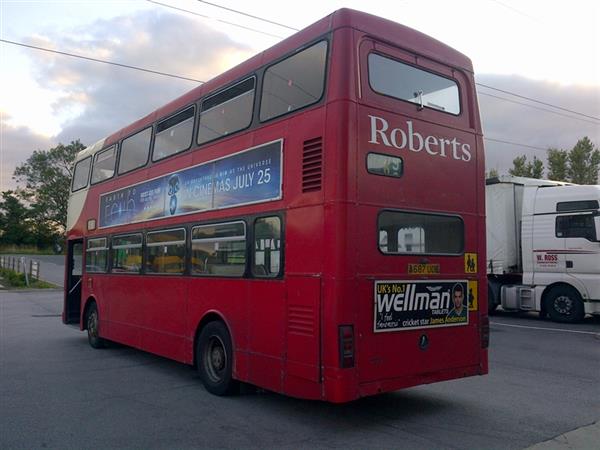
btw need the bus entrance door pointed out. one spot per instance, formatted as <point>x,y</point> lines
<point>72,309</point>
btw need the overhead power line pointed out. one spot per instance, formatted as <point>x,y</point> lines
<point>479,84</point>
<point>250,15</point>
<point>103,61</point>
<point>518,144</point>
<point>536,101</point>
<point>537,107</point>
<point>214,18</point>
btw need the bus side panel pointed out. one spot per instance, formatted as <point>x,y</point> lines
<point>266,306</point>
<point>163,316</point>
<point>122,296</point>
<point>303,327</point>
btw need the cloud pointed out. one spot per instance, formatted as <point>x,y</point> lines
<point>535,127</point>
<point>17,143</point>
<point>96,99</point>
<point>99,99</point>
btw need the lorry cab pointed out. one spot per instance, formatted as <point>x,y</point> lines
<point>544,247</point>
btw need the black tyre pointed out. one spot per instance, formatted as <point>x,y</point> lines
<point>92,322</point>
<point>564,304</point>
<point>214,359</point>
<point>492,305</point>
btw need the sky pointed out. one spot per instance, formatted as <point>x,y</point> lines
<point>543,50</point>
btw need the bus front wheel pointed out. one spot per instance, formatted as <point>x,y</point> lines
<point>214,359</point>
<point>93,326</point>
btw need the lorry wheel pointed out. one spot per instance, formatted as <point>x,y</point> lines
<point>492,305</point>
<point>564,304</point>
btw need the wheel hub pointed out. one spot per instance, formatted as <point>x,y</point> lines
<point>215,361</point>
<point>563,304</point>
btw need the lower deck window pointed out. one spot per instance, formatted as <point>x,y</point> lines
<point>165,252</point>
<point>96,255</point>
<point>126,254</point>
<point>267,247</point>
<point>420,233</point>
<point>219,249</point>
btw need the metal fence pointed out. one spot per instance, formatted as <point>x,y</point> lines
<point>20,264</point>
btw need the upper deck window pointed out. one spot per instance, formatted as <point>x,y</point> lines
<point>104,165</point>
<point>134,151</point>
<point>402,81</point>
<point>295,82</point>
<point>227,112</point>
<point>174,135</point>
<point>81,173</point>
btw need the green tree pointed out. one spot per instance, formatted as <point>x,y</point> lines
<point>45,178</point>
<point>584,162</point>
<point>493,173</point>
<point>558,164</point>
<point>519,168</point>
<point>523,168</point>
<point>15,221</point>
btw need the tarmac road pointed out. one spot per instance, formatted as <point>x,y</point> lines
<point>57,392</point>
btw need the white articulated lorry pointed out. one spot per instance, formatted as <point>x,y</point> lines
<point>543,247</point>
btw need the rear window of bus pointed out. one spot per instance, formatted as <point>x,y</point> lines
<point>396,79</point>
<point>403,232</point>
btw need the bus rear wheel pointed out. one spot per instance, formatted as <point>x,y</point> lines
<point>564,304</point>
<point>92,323</point>
<point>214,359</point>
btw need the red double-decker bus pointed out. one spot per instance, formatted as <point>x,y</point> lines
<point>308,222</point>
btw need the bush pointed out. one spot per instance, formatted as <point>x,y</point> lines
<point>13,279</point>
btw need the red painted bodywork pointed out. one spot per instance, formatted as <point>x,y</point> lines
<point>285,332</point>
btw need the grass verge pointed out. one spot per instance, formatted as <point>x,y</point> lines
<point>14,280</point>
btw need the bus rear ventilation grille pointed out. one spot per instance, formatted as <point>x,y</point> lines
<point>312,165</point>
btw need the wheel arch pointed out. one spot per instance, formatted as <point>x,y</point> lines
<point>82,322</point>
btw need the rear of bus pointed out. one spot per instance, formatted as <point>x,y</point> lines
<point>412,307</point>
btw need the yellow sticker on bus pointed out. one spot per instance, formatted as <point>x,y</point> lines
<point>472,296</point>
<point>470,262</point>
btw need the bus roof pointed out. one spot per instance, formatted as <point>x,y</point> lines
<point>371,25</point>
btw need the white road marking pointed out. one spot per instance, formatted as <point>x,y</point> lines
<point>546,329</point>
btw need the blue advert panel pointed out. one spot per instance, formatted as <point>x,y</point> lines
<point>250,176</point>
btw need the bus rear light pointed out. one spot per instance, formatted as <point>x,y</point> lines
<point>346,342</point>
<point>485,332</point>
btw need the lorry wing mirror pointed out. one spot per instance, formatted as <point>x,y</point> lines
<point>597,224</point>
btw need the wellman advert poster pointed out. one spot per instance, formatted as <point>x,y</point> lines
<point>408,305</point>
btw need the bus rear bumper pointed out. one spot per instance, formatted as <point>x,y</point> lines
<point>395,384</point>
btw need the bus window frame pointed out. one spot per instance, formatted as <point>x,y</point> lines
<point>220,91</point>
<point>150,148</point>
<point>422,69</point>
<point>263,70</point>
<point>105,149</point>
<point>367,96</point>
<point>87,183</point>
<point>105,248</point>
<point>251,239</point>
<point>186,248</point>
<point>248,249</point>
<point>111,247</point>
<point>163,119</point>
<point>423,213</point>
